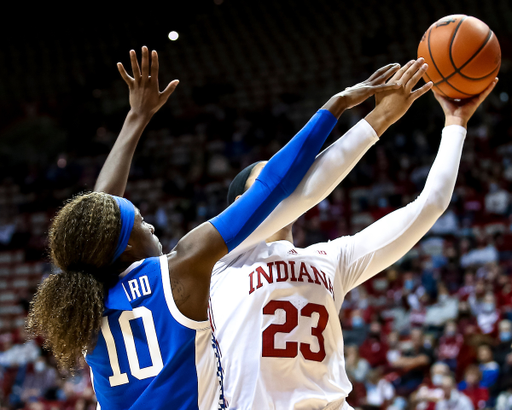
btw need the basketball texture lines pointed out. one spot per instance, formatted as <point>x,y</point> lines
<point>463,55</point>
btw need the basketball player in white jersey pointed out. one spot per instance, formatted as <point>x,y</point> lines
<point>274,307</point>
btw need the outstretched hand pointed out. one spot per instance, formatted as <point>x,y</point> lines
<point>358,93</point>
<point>459,112</point>
<point>145,96</point>
<point>392,104</point>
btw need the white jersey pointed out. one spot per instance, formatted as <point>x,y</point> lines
<point>275,315</point>
<point>274,307</point>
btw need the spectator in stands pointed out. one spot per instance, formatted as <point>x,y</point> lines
<point>497,200</point>
<point>357,329</point>
<point>379,392</point>
<point>430,392</point>
<point>374,349</point>
<point>488,315</point>
<point>357,367</point>
<point>465,320</point>
<point>453,399</point>
<point>489,368</point>
<point>503,348</point>
<point>471,387</point>
<point>468,287</point>
<point>38,380</point>
<point>446,308</point>
<point>504,401</point>
<point>413,363</point>
<point>449,345</point>
<point>485,252</point>
<point>20,354</point>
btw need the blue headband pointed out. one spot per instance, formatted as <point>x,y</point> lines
<point>127,219</point>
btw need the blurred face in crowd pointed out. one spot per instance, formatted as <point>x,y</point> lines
<point>447,385</point>
<point>464,309</point>
<point>488,305</point>
<point>374,375</point>
<point>375,330</point>
<point>409,282</point>
<point>484,354</point>
<point>480,287</point>
<point>472,376</point>
<point>393,340</point>
<point>469,279</point>
<point>357,319</point>
<point>417,338</point>
<point>443,294</point>
<point>450,329</point>
<point>438,372</point>
<point>505,328</point>
<point>351,355</point>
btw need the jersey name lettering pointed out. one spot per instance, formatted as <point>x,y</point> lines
<point>138,287</point>
<point>282,271</point>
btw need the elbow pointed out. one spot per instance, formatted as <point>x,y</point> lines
<point>437,203</point>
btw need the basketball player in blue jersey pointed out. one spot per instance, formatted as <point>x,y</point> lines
<point>140,317</point>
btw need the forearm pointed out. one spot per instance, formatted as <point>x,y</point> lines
<point>278,179</point>
<point>387,240</point>
<point>114,173</point>
<point>328,170</point>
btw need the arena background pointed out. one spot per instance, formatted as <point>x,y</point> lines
<point>251,74</point>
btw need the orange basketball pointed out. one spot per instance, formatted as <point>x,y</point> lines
<point>463,56</point>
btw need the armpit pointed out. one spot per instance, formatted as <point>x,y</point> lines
<point>178,292</point>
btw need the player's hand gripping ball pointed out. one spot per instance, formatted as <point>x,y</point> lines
<point>463,56</point>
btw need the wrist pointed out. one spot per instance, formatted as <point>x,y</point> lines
<point>139,117</point>
<point>378,122</point>
<point>453,120</point>
<point>337,104</point>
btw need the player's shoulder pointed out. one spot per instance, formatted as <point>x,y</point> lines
<point>241,257</point>
<point>152,266</point>
<point>329,248</point>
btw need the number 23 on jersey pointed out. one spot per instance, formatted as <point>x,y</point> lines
<point>292,315</point>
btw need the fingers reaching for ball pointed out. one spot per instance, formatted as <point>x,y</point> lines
<point>458,112</point>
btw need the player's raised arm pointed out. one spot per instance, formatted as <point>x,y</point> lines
<point>145,100</point>
<point>334,163</point>
<point>391,237</point>
<point>192,260</point>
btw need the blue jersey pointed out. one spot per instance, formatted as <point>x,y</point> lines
<point>148,355</point>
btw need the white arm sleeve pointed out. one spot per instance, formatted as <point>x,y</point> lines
<point>384,242</point>
<point>328,170</point>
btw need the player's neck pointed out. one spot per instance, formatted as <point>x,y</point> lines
<point>284,234</point>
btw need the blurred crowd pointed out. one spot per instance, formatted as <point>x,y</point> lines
<point>432,332</point>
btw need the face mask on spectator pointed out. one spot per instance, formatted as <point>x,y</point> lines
<point>380,284</point>
<point>488,307</point>
<point>505,336</point>
<point>363,303</point>
<point>409,284</point>
<point>450,332</point>
<point>39,367</point>
<point>357,321</point>
<point>437,379</point>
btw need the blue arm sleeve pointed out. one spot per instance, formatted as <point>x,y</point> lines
<point>277,180</point>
